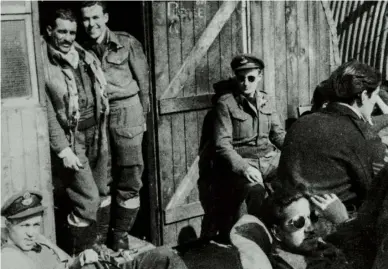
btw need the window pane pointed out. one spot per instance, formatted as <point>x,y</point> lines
<point>15,71</point>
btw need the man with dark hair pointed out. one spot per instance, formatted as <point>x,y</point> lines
<point>289,216</point>
<point>76,107</point>
<point>335,150</point>
<point>126,71</point>
<point>27,248</point>
<point>248,136</point>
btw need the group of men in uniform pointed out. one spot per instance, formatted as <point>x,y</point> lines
<point>97,99</point>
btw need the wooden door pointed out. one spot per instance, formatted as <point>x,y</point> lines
<point>194,42</point>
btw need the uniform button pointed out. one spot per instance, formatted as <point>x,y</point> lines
<point>83,101</point>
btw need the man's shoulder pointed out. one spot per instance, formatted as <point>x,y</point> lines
<point>125,37</point>
<point>13,258</point>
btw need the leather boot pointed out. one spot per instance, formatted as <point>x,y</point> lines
<point>82,238</point>
<point>103,221</point>
<point>125,218</point>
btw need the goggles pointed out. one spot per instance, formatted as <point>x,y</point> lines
<point>249,78</point>
<point>300,222</point>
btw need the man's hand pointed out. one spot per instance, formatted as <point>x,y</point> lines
<point>253,175</point>
<point>331,207</point>
<point>88,256</point>
<point>70,160</point>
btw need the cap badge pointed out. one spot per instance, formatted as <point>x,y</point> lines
<point>243,60</point>
<point>27,199</point>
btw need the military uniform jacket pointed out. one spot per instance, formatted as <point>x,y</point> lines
<point>125,68</point>
<point>243,130</point>
<point>45,258</point>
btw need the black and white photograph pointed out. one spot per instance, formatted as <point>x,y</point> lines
<point>204,134</point>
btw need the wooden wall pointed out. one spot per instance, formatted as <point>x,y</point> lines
<point>294,40</point>
<point>175,34</point>
<point>25,153</point>
<point>362,27</point>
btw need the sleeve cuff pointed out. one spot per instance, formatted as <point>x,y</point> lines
<point>64,152</point>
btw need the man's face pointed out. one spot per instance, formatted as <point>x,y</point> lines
<point>368,103</point>
<point>23,234</point>
<point>94,21</point>
<point>290,232</point>
<point>248,80</point>
<point>62,36</point>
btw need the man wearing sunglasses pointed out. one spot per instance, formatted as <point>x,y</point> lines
<point>248,136</point>
<point>290,215</point>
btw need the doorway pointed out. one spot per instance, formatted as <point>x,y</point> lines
<point>127,16</point>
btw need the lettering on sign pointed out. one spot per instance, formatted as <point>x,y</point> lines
<point>183,11</point>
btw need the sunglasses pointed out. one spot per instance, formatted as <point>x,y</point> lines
<point>301,221</point>
<point>250,78</point>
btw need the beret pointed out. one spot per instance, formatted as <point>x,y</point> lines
<point>22,204</point>
<point>246,61</point>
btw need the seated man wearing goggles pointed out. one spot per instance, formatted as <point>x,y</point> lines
<point>292,241</point>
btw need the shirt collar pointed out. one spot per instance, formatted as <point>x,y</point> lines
<point>356,112</point>
<point>113,39</point>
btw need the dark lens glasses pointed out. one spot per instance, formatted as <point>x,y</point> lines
<point>250,78</point>
<point>301,221</point>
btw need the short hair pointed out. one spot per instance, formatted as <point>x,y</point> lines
<point>102,4</point>
<point>351,79</point>
<point>62,13</point>
<point>323,93</point>
<point>273,206</point>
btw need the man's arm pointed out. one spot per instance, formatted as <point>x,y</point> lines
<point>277,132</point>
<point>139,67</point>
<point>58,139</point>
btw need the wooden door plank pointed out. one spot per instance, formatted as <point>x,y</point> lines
<point>185,185</point>
<point>202,68</point>
<point>257,30</point>
<point>226,50</point>
<point>292,58</point>
<point>237,31</point>
<point>325,48</point>
<point>303,53</point>
<point>213,55</point>
<point>312,28</point>
<point>268,52</point>
<point>183,212</point>
<point>280,60</point>
<point>200,48</point>
<point>160,42</point>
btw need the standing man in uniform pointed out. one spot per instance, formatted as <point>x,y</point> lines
<point>27,248</point>
<point>248,137</point>
<point>76,109</point>
<point>126,71</point>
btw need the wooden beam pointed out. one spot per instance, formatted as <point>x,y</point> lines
<point>191,103</point>
<point>182,212</point>
<point>333,31</point>
<point>200,48</point>
<point>187,183</point>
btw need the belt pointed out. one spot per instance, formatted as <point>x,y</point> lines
<point>86,123</point>
<point>126,102</point>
